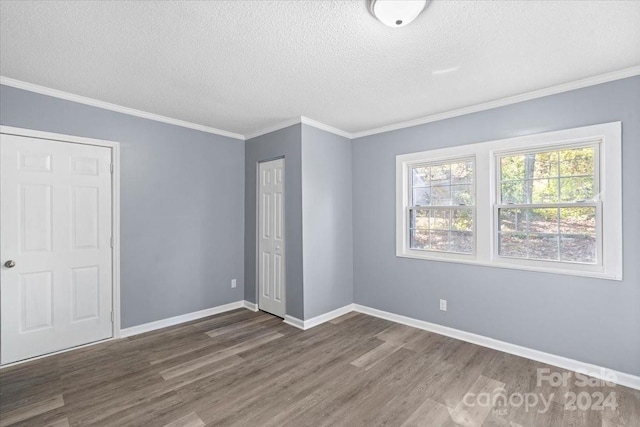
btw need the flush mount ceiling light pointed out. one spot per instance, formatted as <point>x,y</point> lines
<point>397,13</point>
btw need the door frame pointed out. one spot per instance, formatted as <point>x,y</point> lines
<point>115,218</point>
<point>284,183</point>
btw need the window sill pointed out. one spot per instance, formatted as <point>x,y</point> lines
<point>513,266</point>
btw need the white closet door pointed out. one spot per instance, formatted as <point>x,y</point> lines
<point>271,245</point>
<point>56,246</point>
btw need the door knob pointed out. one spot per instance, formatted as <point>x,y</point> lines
<point>10,264</point>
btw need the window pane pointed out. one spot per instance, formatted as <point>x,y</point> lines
<point>576,189</point>
<point>421,176</point>
<point>542,191</point>
<point>462,220</point>
<point>440,175</point>
<point>548,177</point>
<point>440,186</point>
<point>462,242</point>
<point>462,172</point>
<point>421,196</point>
<point>513,245</point>
<point>513,220</point>
<point>578,248</point>
<point>443,184</point>
<point>529,246</point>
<point>545,165</point>
<point>577,161</point>
<point>528,233</point>
<point>530,191</point>
<point>579,220</point>
<point>543,220</point>
<point>529,166</point>
<point>419,239</point>
<point>439,219</point>
<point>419,219</point>
<point>442,230</point>
<point>462,194</point>
<point>439,240</point>
<point>578,234</point>
<point>512,192</point>
<point>564,234</point>
<point>542,246</point>
<point>512,168</point>
<point>441,196</point>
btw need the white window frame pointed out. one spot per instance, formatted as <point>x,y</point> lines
<point>607,136</point>
<point>435,253</point>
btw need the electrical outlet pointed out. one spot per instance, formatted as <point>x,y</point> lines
<point>233,283</point>
<point>443,304</point>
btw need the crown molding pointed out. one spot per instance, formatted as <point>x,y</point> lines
<point>114,107</point>
<point>577,84</point>
<point>273,128</point>
<point>326,128</point>
<point>297,120</point>
<point>565,87</point>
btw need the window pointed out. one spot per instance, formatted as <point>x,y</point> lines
<point>535,202</point>
<point>548,207</point>
<point>442,207</point>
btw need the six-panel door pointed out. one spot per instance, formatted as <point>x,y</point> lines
<point>271,245</point>
<point>56,223</point>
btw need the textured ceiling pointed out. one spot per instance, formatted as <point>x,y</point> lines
<point>244,65</point>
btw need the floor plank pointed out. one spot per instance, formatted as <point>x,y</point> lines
<point>474,411</point>
<point>60,423</point>
<point>430,413</point>
<point>222,354</point>
<point>31,411</point>
<point>190,420</point>
<point>381,352</point>
<point>238,326</point>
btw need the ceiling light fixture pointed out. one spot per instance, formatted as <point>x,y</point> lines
<point>397,13</point>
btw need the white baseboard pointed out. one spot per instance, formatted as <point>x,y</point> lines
<point>250,305</point>
<point>627,380</point>
<point>318,320</point>
<point>172,321</point>
<point>315,321</point>
<point>294,321</point>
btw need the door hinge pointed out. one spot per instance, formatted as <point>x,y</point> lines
<point>112,241</point>
<point>111,167</point>
<point>112,317</point>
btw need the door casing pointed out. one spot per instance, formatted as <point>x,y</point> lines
<point>115,218</point>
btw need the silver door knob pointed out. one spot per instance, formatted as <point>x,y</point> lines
<point>10,264</point>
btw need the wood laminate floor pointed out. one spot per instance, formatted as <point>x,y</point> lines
<point>250,369</point>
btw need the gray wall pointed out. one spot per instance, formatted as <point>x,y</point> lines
<point>590,320</point>
<point>181,204</point>
<point>188,197</point>
<point>282,143</point>
<point>327,232</point>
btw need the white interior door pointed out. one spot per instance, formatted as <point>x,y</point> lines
<point>271,245</point>
<point>56,228</point>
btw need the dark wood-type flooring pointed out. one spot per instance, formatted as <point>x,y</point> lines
<point>250,369</point>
